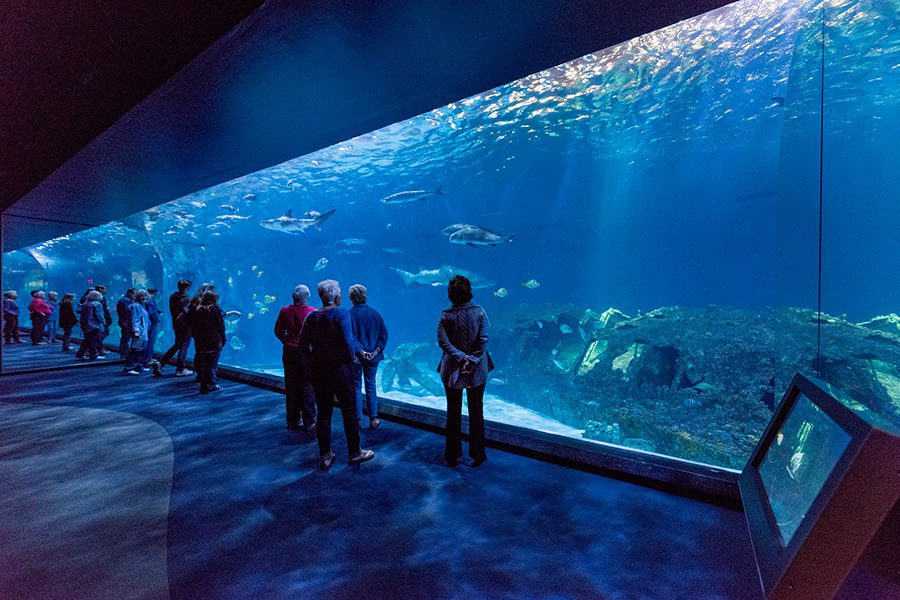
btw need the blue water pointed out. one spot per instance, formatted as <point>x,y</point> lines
<point>651,174</point>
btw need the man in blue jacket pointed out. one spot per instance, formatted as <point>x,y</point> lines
<point>372,335</point>
<point>136,329</point>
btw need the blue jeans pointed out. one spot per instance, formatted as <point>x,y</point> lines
<point>150,347</point>
<point>135,355</point>
<point>365,372</point>
<point>52,326</point>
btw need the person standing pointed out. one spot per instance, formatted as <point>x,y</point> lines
<point>463,332</point>
<point>107,321</point>
<point>40,311</point>
<point>67,319</point>
<point>53,317</point>
<point>372,336</point>
<point>208,328</point>
<point>93,323</point>
<point>11,317</point>
<point>123,312</point>
<point>178,307</point>
<point>136,328</point>
<point>328,336</point>
<point>154,312</point>
<point>300,400</point>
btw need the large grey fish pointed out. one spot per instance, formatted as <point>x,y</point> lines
<point>472,235</point>
<point>441,276</point>
<point>289,224</point>
<point>451,229</point>
<point>412,196</point>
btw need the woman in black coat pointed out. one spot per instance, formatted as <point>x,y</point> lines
<point>67,319</point>
<point>207,323</point>
<point>463,333</point>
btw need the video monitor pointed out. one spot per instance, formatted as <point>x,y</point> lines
<point>796,465</point>
<point>819,492</point>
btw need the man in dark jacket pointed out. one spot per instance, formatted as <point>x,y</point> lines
<point>178,307</point>
<point>153,312</point>
<point>67,319</point>
<point>11,317</point>
<point>372,335</point>
<point>107,319</point>
<point>123,311</point>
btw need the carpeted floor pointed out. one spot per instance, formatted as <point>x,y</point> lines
<point>135,487</point>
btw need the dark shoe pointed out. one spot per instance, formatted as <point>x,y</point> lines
<point>477,462</point>
<point>327,461</point>
<point>212,389</point>
<point>374,423</point>
<point>451,463</point>
<point>362,457</point>
<point>293,426</point>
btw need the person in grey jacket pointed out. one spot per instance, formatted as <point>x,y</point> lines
<point>93,323</point>
<point>463,333</point>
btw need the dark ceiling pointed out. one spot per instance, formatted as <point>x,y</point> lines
<point>69,69</point>
<point>95,126</point>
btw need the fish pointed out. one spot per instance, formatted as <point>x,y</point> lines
<point>258,305</point>
<point>559,364</point>
<point>287,223</point>
<point>236,343</point>
<point>250,315</point>
<point>565,328</point>
<point>249,198</point>
<point>239,272</point>
<point>501,293</point>
<point>540,324</point>
<point>441,276</point>
<point>394,250</point>
<point>692,403</point>
<point>497,381</point>
<point>268,299</point>
<point>230,280</point>
<point>294,185</point>
<point>472,235</point>
<point>451,229</point>
<point>321,264</point>
<point>229,207</point>
<point>352,242</point>
<point>253,267</point>
<point>345,251</point>
<point>412,196</point>
<point>264,310</point>
<point>96,258</point>
<point>531,284</point>
<point>232,218</point>
<point>259,273</point>
<point>197,204</point>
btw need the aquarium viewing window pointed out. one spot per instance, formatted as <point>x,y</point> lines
<point>618,215</point>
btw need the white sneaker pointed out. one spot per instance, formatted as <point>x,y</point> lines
<point>184,373</point>
<point>133,372</point>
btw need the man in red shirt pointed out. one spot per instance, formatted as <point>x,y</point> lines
<point>300,400</point>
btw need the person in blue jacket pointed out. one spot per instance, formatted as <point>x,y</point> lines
<point>372,336</point>
<point>136,328</point>
<point>153,311</point>
<point>53,317</point>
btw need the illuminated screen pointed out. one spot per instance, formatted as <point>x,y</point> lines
<point>799,461</point>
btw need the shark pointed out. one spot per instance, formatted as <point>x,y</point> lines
<point>287,223</point>
<point>441,276</point>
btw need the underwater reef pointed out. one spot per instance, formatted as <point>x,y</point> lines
<point>695,383</point>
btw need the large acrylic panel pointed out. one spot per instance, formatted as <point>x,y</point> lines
<point>633,285</point>
<point>860,350</point>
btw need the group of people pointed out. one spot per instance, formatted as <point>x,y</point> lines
<point>330,354</point>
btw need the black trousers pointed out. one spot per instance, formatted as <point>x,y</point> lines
<point>206,362</point>
<point>92,343</point>
<point>67,334</point>
<point>475,400</point>
<point>38,326</point>
<point>299,397</point>
<point>182,341</point>
<point>335,383</point>
<point>11,328</point>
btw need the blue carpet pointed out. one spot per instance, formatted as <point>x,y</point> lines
<point>251,516</point>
